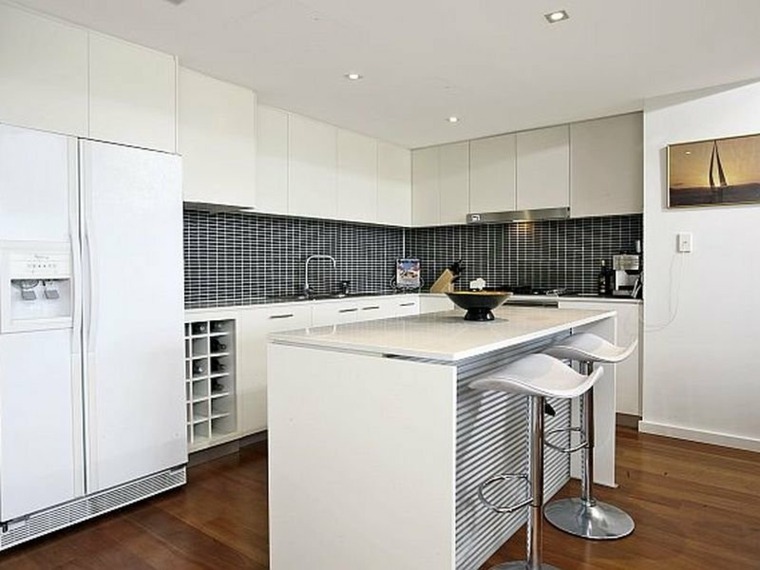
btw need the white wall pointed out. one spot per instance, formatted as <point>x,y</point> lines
<point>701,347</point>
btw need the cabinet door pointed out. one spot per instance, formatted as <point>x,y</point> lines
<point>43,73</point>
<point>433,303</point>
<point>543,168</point>
<point>253,327</point>
<point>132,94</point>
<point>331,313</point>
<point>425,194</point>
<point>627,373</point>
<point>217,140</point>
<point>272,160</point>
<point>312,163</point>
<point>405,305</point>
<point>454,182</point>
<point>394,185</point>
<point>357,177</point>
<point>606,166</point>
<point>492,174</point>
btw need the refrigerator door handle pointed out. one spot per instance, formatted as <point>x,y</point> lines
<point>76,251</point>
<point>92,290</point>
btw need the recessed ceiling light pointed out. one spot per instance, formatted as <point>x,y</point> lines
<point>353,76</point>
<point>453,119</point>
<point>558,16</point>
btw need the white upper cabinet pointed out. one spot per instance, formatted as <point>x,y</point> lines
<point>492,174</point>
<point>217,140</point>
<point>312,168</point>
<point>357,177</point>
<point>133,94</point>
<point>543,168</point>
<point>272,160</point>
<point>394,185</point>
<point>606,166</point>
<point>440,184</point>
<point>454,182</point>
<point>425,187</point>
<point>43,73</point>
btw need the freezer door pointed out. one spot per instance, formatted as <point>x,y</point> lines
<point>40,422</point>
<point>37,175</point>
<point>133,318</point>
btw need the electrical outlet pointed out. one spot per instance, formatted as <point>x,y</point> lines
<point>684,242</point>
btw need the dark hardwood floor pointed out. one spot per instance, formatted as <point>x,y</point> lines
<point>696,507</point>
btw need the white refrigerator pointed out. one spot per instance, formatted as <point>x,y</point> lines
<point>92,413</point>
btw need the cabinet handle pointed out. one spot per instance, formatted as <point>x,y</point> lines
<point>348,310</point>
<point>406,304</point>
<point>283,316</point>
<point>370,308</point>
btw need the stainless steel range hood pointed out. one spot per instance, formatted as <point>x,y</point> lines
<point>519,216</point>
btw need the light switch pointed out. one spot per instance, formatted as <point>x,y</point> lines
<point>684,242</point>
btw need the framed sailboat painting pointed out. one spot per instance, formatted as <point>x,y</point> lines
<point>714,172</point>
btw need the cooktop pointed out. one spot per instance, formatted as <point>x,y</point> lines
<point>534,290</point>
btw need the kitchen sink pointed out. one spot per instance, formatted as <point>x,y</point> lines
<point>322,296</point>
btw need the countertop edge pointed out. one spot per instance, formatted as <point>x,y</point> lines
<point>322,342</point>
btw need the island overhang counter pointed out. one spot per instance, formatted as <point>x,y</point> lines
<point>377,445</point>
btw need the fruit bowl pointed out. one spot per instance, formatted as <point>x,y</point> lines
<point>478,304</point>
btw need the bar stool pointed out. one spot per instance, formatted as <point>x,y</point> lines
<point>536,376</point>
<point>585,516</point>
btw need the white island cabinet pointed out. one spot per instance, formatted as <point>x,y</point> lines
<point>377,445</point>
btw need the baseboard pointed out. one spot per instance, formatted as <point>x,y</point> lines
<point>627,420</point>
<point>254,438</point>
<point>228,448</point>
<point>701,436</point>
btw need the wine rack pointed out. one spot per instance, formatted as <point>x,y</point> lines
<point>210,381</point>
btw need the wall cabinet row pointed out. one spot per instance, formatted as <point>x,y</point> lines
<point>594,167</point>
<point>67,79</point>
<point>312,169</point>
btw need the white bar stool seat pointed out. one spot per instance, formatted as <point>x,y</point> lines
<point>536,376</point>
<point>585,516</point>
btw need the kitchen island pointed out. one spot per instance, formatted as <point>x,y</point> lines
<point>377,445</point>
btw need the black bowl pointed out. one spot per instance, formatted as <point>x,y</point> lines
<point>478,304</point>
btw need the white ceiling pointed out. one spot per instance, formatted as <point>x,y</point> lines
<point>497,64</point>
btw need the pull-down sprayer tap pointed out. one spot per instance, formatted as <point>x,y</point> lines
<point>306,286</point>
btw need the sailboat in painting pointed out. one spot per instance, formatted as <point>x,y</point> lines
<point>718,171</point>
<point>716,164</point>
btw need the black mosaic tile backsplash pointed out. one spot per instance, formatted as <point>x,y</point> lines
<point>552,253</point>
<point>240,259</point>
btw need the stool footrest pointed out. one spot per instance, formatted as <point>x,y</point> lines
<point>500,479</point>
<point>571,449</point>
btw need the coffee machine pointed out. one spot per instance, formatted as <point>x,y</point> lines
<point>626,275</point>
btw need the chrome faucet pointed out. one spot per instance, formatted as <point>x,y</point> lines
<point>306,287</point>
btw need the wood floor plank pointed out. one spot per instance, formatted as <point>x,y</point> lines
<point>696,507</point>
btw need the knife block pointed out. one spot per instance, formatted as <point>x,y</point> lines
<point>444,283</point>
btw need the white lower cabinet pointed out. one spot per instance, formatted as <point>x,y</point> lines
<point>433,303</point>
<point>628,372</point>
<point>363,309</point>
<point>226,358</point>
<point>254,325</point>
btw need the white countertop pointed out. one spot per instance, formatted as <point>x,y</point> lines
<point>443,336</point>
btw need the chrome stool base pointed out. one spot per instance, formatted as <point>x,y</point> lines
<point>521,565</point>
<point>599,521</point>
